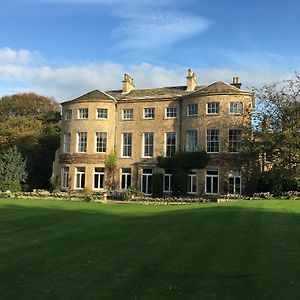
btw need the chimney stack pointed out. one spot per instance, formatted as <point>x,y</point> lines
<point>127,84</point>
<point>191,82</point>
<point>236,82</point>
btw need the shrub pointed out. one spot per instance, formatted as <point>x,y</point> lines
<point>157,185</point>
<point>10,185</point>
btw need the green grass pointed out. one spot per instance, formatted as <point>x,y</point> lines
<point>66,250</point>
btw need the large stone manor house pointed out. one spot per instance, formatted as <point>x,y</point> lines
<point>141,124</point>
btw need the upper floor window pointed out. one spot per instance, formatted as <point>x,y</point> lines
<point>213,108</point>
<point>101,141</point>
<point>192,110</point>
<point>102,113</point>
<point>171,112</point>
<point>149,113</point>
<point>127,114</point>
<point>81,141</point>
<point>126,144</point>
<point>67,143</point>
<point>212,142</point>
<point>83,113</point>
<point>148,142</point>
<point>68,114</point>
<point>235,138</point>
<point>192,137</point>
<point>170,143</point>
<point>236,108</point>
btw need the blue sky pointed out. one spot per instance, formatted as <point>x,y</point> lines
<point>64,48</point>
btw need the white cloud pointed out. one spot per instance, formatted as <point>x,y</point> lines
<point>148,30</point>
<point>18,57</point>
<point>19,72</point>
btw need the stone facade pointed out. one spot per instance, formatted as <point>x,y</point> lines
<point>141,124</point>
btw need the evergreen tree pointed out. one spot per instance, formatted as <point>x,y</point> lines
<point>12,170</point>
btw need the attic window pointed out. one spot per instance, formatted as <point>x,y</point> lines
<point>236,108</point>
<point>83,113</point>
<point>149,113</point>
<point>102,113</point>
<point>213,108</point>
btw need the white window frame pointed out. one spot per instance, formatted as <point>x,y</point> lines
<point>99,174</point>
<point>67,142</point>
<point>83,113</point>
<point>127,114</point>
<point>192,146</point>
<point>212,143</point>
<point>65,175</point>
<point>234,140</point>
<point>148,146</point>
<point>127,145</point>
<point>171,112</point>
<point>192,179</point>
<point>190,112</point>
<point>213,108</point>
<point>235,175</point>
<point>127,177</point>
<point>102,113</point>
<point>149,113</point>
<point>147,175</point>
<point>167,179</point>
<point>236,108</point>
<point>215,176</point>
<point>68,115</point>
<point>81,142</point>
<point>170,145</point>
<point>79,177</point>
<point>101,142</point>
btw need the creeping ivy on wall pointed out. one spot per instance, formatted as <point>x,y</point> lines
<point>180,164</point>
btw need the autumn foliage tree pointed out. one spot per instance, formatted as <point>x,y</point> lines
<point>31,122</point>
<point>277,137</point>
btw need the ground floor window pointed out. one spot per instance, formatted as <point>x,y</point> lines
<point>234,182</point>
<point>212,182</point>
<point>98,178</point>
<point>192,182</point>
<point>65,177</point>
<point>125,178</point>
<point>147,181</point>
<point>80,178</point>
<point>167,181</point>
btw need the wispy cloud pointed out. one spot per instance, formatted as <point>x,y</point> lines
<point>148,24</point>
<point>145,31</point>
<point>23,71</point>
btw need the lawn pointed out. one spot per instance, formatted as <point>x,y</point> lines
<point>68,250</point>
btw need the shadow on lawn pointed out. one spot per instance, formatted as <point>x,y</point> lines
<point>84,251</point>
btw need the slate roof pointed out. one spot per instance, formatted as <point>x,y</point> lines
<point>164,92</point>
<point>219,87</point>
<point>94,95</point>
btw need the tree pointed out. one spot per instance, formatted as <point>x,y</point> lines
<point>31,122</point>
<point>110,164</point>
<point>277,136</point>
<point>12,170</point>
